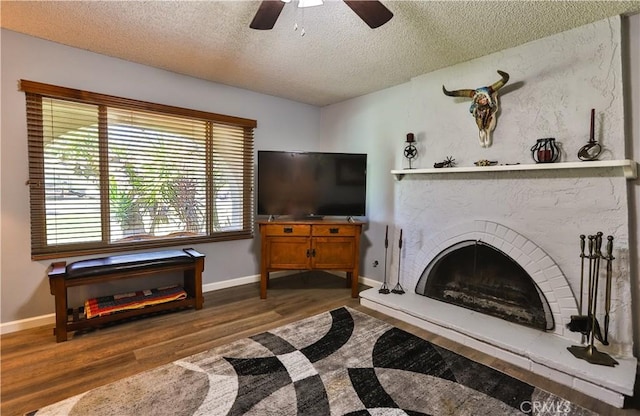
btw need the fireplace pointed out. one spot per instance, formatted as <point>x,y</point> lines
<point>475,275</point>
<point>499,267</point>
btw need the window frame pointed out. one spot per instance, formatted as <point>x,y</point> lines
<point>40,249</point>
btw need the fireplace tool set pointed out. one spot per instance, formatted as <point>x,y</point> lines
<point>384,289</point>
<point>587,324</point>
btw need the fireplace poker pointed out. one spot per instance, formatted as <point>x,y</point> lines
<point>582,323</point>
<point>598,332</point>
<point>582,245</point>
<point>398,289</point>
<point>594,297</point>
<point>582,255</point>
<point>384,289</point>
<point>591,259</point>
<point>607,297</point>
<point>591,299</point>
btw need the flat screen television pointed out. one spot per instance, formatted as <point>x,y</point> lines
<point>311,184</point>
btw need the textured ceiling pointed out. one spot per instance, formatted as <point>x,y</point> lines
<point>339,57</point>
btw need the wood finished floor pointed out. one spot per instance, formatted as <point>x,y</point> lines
<point>37,371</point>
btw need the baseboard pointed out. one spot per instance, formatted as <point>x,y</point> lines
<point>370,282</point>
<point>19,325</point>
<point>50,319</point>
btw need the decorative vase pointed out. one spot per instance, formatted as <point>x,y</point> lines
<point>545,150</point>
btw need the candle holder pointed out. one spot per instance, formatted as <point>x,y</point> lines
<point>410,151</point>
<point>545,151</point>
<point>592,149</point>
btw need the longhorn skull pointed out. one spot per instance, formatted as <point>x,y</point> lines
<point>484,106</point>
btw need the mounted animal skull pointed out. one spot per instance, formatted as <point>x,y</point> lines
<point>484,106</point>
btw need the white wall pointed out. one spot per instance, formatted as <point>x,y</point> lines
<point>375,124</point>
<point>282,124</point>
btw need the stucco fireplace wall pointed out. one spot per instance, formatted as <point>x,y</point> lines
<point>555,82</point>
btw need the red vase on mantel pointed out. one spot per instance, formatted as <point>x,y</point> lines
<point>545,150</point>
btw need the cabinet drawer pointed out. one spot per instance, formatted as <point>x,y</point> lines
<point>287,229</point>
<point>338,230</point>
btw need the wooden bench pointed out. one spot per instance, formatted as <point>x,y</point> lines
<point>107,269</point>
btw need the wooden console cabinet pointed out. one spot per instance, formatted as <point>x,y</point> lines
<point>310,245</point>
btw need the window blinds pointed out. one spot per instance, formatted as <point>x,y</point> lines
<point>108,174</point>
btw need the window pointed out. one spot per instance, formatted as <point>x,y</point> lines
<point>114,174</point>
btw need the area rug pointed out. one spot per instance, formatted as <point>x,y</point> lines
<point>341,362</point>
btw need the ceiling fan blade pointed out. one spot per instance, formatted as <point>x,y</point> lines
<point>374,13</point>
<point>267,15</point>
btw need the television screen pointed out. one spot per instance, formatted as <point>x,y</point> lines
<point>308,184</point>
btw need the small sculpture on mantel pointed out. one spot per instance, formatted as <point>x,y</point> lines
<point>484,106</point>
<point>448,162</point>
<point>485,162</point>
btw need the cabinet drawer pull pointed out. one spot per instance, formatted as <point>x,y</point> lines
<point>287,230</point>
<point>334,230</point>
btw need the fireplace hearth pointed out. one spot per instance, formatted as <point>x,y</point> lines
<point>477,276</point>
<point>543,352</point>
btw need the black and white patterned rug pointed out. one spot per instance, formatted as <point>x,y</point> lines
<point>342,362</point>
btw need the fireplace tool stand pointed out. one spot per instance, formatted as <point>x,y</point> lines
<point>384,289</point>
<point>588,324</point>
<point>398,288</point>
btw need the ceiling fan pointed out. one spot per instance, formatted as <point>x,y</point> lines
<point>372,12</point>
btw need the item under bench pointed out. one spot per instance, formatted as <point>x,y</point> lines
<point>127,266</point>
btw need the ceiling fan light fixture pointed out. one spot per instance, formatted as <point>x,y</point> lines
<point>309,3</point>
<point>372,12</point>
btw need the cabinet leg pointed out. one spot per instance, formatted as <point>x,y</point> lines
<point>264,279</point>
<point>355,284</point>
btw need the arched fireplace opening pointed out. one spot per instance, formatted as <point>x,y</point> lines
<point>477,276</point>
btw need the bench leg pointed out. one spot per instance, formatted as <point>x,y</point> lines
<point>60,294</point>
<point>193,282</point>
<point>197,281</point>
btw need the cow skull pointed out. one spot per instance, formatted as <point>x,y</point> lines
<point>484,106</point>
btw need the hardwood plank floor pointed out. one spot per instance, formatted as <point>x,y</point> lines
<point>37,371</point>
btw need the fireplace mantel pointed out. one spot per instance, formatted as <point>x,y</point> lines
<point>628,168</point>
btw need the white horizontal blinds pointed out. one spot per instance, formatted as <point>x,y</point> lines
<point>232,171</point>
<point>64,174</point>
<point>112,174</point>
<point>157,175</point>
